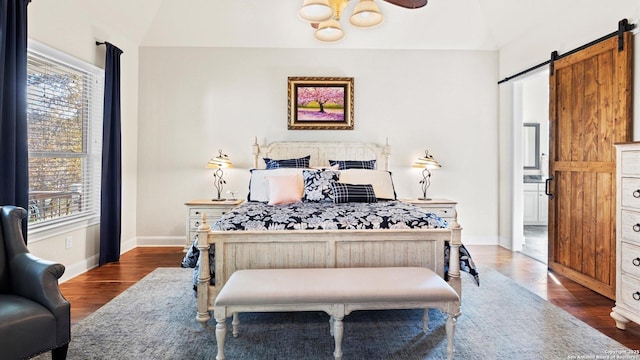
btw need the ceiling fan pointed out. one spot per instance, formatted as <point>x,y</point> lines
<point>324,15</point>
<point>409,4</point>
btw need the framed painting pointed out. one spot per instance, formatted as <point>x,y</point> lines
<point>320,103</point>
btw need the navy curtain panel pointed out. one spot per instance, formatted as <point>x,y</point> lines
<point>14,152</point>
<point>111,193</point>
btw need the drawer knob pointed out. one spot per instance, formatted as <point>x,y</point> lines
<point>636,261</point>
<point>636,194</point>
<point>636,296</point>
<point>197,212</point>
<point>636,227</point>
<point>197,223</point>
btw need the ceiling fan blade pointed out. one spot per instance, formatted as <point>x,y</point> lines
<point>409,4</point>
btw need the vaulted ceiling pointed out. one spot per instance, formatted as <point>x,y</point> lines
<point>442,24</point>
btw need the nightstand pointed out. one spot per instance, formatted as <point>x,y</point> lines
<point>444,208</point>
<point>213,209</point>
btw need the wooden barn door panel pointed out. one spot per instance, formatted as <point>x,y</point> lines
<point>589,110</point>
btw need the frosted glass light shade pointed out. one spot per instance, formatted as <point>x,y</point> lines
<point>329,31</point>
<point>316,11</point>
<point>366,14</point>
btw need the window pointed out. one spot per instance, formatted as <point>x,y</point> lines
<point>64,127</point>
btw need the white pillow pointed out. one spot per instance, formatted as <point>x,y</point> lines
<point>284,189</point>
<point>259,186</point>
<point>380,180</point>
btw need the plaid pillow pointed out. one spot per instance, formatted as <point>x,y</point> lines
<point>317,184</point>
<point>343,193</point>
<point>354,164</point>
<point>302,162</point>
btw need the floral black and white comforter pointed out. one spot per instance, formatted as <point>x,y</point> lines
<point>255,216</point>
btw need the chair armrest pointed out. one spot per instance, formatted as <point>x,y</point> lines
<point>37,279</point>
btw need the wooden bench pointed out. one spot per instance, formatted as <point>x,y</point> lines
<point>336,291</point>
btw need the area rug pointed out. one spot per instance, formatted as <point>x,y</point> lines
<point>155,319</point>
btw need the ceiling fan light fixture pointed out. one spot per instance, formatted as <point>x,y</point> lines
<point>329,31</point>
<point>366,14</point>
<point>316,11</point>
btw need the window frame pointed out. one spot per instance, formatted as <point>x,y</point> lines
<point>48,228</point>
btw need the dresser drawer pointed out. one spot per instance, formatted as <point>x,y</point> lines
<point>630,259</point>
<point>630,163</point>
<point>630,194</point>
<point>630,224</point>
<point>630,292</point>
<point>211,213</point>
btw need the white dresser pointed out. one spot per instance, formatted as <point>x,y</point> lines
<point>444,208</point>
<point>213,209</point>
<point>627,235</point>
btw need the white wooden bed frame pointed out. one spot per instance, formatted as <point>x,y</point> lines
<point>236,250</point>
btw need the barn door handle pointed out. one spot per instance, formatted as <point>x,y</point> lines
<point>546,187</point>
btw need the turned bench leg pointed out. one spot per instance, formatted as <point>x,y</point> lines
<point>221,332</point>
<point>450,327</point>
<point>338,330</point>
<point>425,320</point>
<point>235,324</point>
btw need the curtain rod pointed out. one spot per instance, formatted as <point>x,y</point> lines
<point>623,26</point>
<point>100,43</point>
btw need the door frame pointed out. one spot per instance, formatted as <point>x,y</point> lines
<point>517,196</point>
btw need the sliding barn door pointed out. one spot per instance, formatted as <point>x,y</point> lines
<point>590,110</point>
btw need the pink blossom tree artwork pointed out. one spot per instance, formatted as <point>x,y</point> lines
<point>320,103</point>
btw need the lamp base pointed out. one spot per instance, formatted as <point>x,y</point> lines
<point>424,198</point>
<point>218,199</point>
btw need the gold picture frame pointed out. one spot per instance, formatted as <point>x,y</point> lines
<point>320,103</point>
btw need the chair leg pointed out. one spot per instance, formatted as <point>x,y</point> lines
<point>60,353</point>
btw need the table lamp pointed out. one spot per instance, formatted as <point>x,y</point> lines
<point>218,163</point>
<point>426,163</point>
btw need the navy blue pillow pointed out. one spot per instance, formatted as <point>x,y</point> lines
<point>344,193</point>
<point>302,162</point>
<point>354,164</point>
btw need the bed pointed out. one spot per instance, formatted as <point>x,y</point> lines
<point>312,245</point>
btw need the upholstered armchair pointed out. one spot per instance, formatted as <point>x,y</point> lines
<point>34,316</point>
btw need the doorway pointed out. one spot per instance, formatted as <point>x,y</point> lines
<point>531,110</point>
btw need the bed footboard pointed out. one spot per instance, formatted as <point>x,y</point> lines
<point>236,250</point>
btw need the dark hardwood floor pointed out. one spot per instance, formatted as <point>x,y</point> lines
<point>91,290</point>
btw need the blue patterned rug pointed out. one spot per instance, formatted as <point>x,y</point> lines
<point>155,319</point>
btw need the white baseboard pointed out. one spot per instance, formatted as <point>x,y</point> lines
<point>160,241</point>
<point>79,268</point>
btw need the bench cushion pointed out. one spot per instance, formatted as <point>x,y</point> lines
<point>334,286</point>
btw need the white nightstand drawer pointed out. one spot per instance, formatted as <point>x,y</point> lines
<point>630,259</point>
<point>211,213</point>
<point>630,226</point>
<point>441,212</point>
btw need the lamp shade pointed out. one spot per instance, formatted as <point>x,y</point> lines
<point>366,14</point>
<point>316,10</point>
<point>329,31</point>
<point>220,161</point>
<point>427,162</point>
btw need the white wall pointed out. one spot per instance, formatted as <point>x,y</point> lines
<point>562,33</point>
<point>66,26</point>
<point>194,101</point>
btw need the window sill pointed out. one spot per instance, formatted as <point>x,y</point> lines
<point>41,232</point>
